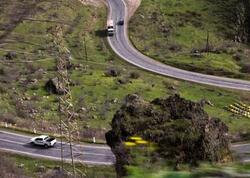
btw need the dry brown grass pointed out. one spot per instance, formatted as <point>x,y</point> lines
<point>8,169</point>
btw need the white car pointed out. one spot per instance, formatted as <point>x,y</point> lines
<point>43,140</point>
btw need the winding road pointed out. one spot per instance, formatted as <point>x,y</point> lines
<point>121,45</point>
<point>100,154</point>
<point>87,153</point>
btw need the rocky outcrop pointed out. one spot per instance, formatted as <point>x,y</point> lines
<point>54,86</point>
<point>181,129</point>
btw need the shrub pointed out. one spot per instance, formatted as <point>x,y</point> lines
<point>246,69</point>
<point>134,75</point>
<point>112,72</point>
<point>8,117</point>
<point>9,169</point>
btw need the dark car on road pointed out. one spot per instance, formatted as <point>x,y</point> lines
<point>121,22</point>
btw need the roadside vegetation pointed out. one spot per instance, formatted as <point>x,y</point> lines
<point>22,167</point>
<point>204,170</point>
<point>205,36</point>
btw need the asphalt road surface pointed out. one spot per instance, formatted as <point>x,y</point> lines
<point>87,153</point>
<point>121,45</point>
<point>242,151</point>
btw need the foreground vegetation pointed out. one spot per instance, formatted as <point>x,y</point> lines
<point>20,166</point>
<point>204,170</point>
<point>200,36</point>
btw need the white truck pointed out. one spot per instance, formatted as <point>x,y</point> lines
<point>110,27</point>
<point>43,140</point>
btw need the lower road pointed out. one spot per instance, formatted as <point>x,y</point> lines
<point>122,46</point>
<point>242,151</point>
<point>86,153</point>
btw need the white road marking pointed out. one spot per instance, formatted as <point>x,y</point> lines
<point>75,152</point>
<point>78,145</point>
<point>55,158</point>
<point>9,141</point>
<point>239,145</point>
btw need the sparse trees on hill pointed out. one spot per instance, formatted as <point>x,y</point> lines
<point>236,14</point>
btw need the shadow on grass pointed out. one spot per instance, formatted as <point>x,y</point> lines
<point>101,33</point>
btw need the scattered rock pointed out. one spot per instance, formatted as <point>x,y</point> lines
<point>10,55</point>
<point>237,57</point>
<point>174,48</point>
<point>41,168</point>
<point>134,75</point>
<point>21,165</point>
<point>123,80</point>
<point>196,53</point>
<point>203,102</point>
<point>172,87</point>
<point>112,72</point>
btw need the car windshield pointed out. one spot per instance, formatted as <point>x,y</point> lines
<point>50,139</point>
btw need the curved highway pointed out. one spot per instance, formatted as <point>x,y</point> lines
<point>87,153</point>
<point>121,45</point>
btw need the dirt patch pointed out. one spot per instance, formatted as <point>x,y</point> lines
<point>132,6</point>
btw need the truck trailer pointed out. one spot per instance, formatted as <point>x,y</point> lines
<point>110,27</point>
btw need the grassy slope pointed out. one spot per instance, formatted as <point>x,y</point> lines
<point>175,27</point>
<point>100,95</point>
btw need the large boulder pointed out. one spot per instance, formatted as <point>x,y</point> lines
<point>181,129</point>
<point>54,86</point>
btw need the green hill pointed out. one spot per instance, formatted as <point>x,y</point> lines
<point>28,61</point>
<point>197,35</point>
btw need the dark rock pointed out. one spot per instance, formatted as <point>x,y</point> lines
<point>41,168</point>
<point>53,86</point>
<point>174,48</point>
<point>196,53</point>
<point>10,55</point>
<point>123,80</point>
<point>134,75</point>
<point>246,69</point>
<point>237,57</point>
<point>181,129</point>
<point>112,72</point>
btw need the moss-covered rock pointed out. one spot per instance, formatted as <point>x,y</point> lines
<point>181,129</point>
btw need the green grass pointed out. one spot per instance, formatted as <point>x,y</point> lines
<point>31,167</point>
<point>175,28</point>
<point>100,95</point>
<point>203,170</point>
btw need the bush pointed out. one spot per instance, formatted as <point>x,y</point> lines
<point>112,72</point>
<point>9,169</point>
<point>246,69</point>
<point>8,117</point>
<point>134,75</point>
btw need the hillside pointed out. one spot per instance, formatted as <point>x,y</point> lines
<point>203,36</point>
<point>99,79</point>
